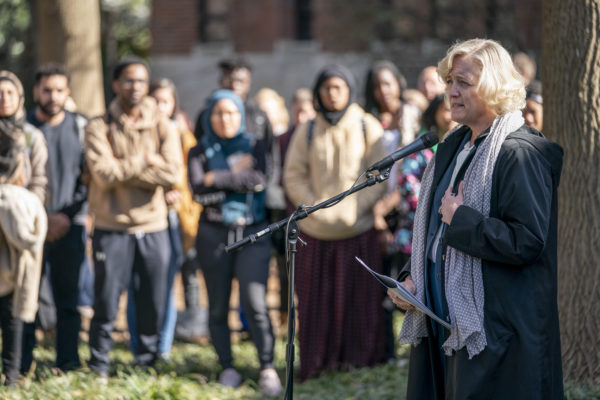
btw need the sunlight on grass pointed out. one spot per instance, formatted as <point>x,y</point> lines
<point>193,373</point>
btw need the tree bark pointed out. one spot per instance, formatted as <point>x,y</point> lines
<point>69,33</point>
<point>571,77</point>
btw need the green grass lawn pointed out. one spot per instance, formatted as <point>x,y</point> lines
<point>193,373</point>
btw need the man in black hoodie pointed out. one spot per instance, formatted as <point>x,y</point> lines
<point>64,252</point>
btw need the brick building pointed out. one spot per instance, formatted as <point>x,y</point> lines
<point>287,41</point>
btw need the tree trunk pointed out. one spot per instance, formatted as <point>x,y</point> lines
<point>69,33</point>
<point>571,80</point>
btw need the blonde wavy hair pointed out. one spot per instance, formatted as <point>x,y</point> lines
<point>500,84</point>
<point>274,106</point>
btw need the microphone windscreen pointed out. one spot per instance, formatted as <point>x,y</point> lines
<point>429,139</point>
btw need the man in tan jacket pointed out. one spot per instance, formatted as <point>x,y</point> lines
<point>133,155</point>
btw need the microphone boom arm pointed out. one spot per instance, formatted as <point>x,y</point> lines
<point>304,211</point>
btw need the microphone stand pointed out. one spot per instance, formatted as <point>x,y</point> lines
<point>290,348</point>
<point>291,241</point>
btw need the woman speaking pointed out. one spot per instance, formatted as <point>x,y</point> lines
<point>484,244</point>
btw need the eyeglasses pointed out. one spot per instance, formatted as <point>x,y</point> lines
<point>131,82</point>
<point>225,114</point>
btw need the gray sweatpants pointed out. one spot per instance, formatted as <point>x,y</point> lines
<point>121,258</point>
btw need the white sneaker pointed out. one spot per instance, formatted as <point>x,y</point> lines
<point>86,311</point>
<point>230,377</point>
<point>269,382</point>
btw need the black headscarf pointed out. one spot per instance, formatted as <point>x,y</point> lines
<point>371,105</point>
<point>330,71</point>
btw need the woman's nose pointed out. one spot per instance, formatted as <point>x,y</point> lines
<point>452,91</point>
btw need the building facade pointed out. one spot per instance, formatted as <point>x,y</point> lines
<point>288,41</point>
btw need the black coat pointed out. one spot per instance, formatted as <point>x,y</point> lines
<point>517,245</point>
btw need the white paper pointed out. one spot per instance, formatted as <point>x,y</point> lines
<point>404,294</point>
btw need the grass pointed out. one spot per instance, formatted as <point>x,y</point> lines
<point>577,391</point>
<point>193,373</point>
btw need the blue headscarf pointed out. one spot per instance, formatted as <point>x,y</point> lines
<point>217,149</point>
<point>250,206</point>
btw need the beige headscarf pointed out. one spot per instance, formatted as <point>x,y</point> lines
<point>14,163</point>
<point>19,116</point>
<point>12,138</point>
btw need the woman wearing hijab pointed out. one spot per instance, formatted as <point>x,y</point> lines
<point>12,119</point>
<point>340,312</point>
<point>23,222</point>
<point>227,175</point>
<point>484,244</point>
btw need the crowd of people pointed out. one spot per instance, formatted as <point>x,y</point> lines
<point>158,197</point>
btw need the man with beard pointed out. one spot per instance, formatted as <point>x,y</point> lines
<point>64,250</point>
<point>133,155</point>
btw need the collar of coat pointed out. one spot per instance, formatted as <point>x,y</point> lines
<point>148,114</point>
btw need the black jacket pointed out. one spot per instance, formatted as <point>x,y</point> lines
<point>517,245</point>
<point>225,181</point>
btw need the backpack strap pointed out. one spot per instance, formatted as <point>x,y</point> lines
<point>311,131</point>
<point>80,123</point>
<point>364,128</point>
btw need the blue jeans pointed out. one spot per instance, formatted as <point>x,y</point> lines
<point>86,284</point>
<point>168,328</point>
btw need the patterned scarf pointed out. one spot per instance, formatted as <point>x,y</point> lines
<point>463,275</point>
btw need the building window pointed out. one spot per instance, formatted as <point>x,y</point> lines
<point>213,23</point>
<point>303,20</point>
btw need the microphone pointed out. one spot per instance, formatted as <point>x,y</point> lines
<point>423,142</point>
